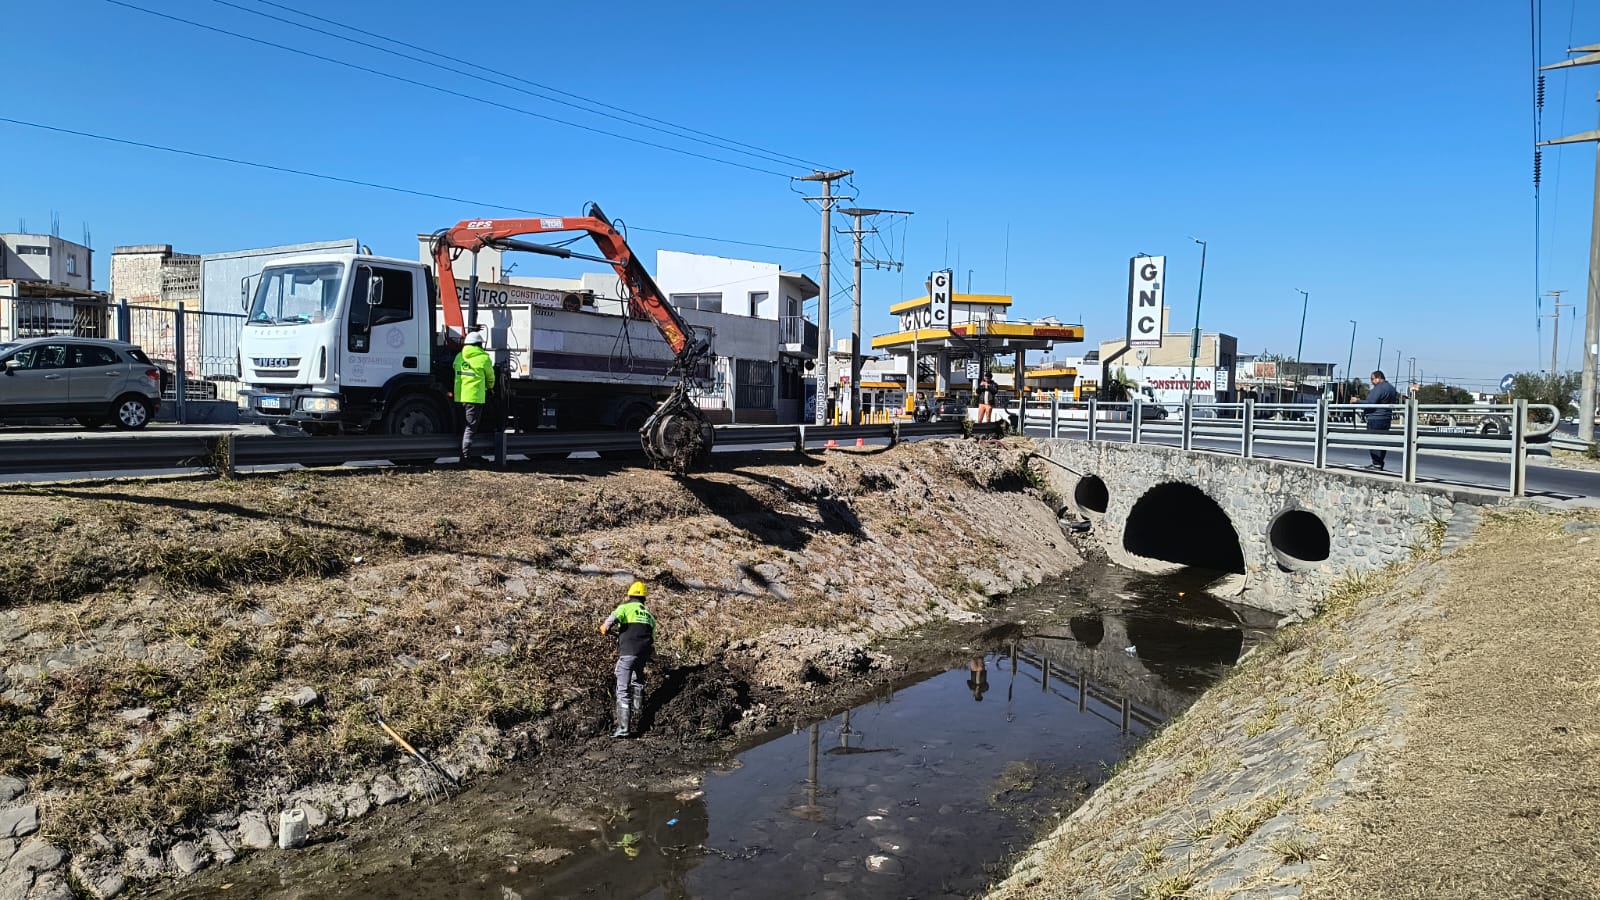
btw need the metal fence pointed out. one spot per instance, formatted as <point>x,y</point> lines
<point>1250,429</point>
<point>200,348</point>
<point>32,317</point>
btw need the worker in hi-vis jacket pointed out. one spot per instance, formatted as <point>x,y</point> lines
<point>636,644</point>
<point>474,380</point>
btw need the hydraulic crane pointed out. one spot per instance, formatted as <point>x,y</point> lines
<point>677,435</point>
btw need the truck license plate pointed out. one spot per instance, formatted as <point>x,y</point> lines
<point>274,403</point>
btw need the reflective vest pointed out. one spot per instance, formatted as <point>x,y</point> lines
<point>474,375</point>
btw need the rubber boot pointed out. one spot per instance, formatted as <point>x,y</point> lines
<point>622,721</point>
<point>638,706</point>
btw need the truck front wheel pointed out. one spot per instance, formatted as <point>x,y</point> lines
<point>413,416</point>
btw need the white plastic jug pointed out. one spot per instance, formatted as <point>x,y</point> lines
<point>291,828</point>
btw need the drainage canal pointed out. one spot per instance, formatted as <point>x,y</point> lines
<point>1177,523</point>
<point>924,790</point>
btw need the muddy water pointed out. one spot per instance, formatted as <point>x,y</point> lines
<point>922,790</point>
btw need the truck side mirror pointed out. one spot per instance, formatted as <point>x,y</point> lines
<point>374,289</point>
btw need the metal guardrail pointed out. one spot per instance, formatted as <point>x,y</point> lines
<point>1242,428</point>
<point>230,452</point>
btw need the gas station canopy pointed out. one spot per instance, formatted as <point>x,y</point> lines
<point>978,325</point>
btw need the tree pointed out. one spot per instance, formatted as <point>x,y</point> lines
<point>1351,391</point>
<point>1118,386</point>
<point>1443,394</point>
<point>1542,387</point>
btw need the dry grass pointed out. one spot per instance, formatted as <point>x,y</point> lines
<point>456,603</point>
<point>1497,791</point>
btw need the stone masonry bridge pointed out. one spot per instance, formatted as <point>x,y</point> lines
<point>1282,532</point>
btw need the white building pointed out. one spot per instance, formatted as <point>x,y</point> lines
<point>46,258</point>
<point>771,360</point>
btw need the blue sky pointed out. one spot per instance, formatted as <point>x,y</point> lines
<point>1376,154</point>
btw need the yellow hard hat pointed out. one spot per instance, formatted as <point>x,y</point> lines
<point>636,589</point>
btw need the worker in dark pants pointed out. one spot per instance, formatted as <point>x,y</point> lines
<point>636,645</point>
<point>1380,416</point>
<point>474,380</point>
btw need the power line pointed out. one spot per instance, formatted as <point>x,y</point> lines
<point>617,114</point>
<point>443,90</point>
<point>482,204</point>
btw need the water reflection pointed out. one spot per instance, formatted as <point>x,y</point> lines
<point>912,793</point>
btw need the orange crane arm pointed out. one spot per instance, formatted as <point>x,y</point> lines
<point>644,296</point>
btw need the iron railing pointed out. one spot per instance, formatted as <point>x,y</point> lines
<point>1497,431</point>
<point>229,452</point>
<point>798,331</point>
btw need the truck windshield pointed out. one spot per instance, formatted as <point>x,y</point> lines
<point>295,295</point>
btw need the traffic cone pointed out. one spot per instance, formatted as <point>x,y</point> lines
<point>861,442</point>
<point>832,444</point>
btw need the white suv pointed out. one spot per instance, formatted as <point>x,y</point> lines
<point>88,379</point>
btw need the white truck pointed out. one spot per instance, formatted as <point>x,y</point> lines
<point>348,342</point>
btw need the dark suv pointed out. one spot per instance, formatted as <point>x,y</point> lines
<point>91,380</point>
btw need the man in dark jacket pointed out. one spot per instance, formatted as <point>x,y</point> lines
<point>1380,416</point>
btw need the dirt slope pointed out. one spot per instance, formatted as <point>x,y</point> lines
<point>178,656</point>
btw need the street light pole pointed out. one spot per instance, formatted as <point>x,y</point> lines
<point>1305,303</point>
<point>1380,353</point>
<point>1194,338</point>
<point>1350,362</point>
<point>1591,326</point>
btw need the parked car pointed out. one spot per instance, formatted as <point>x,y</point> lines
<point>91,380</point>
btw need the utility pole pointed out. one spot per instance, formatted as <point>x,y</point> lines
<point>1305,303</point>
<point>824,347</point>
<point>1591,323</point>
<point>1555,332</point>
<point>855,321</point>
<point>1194,339</point>
<point>1350,362</point>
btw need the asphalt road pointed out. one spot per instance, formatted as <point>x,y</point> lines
<point>1548,481</point>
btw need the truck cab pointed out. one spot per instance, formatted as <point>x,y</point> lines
<point>346,341</point>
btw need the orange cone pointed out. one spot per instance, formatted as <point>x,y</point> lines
<point>832,444</point>
<point>861,442</point>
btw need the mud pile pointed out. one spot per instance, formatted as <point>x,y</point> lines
<point>181,660</point>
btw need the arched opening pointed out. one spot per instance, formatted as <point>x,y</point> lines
<point>1299,539</point>
<point>1087,630</point>
<point>1178,523</point>
<point>1091,494</point>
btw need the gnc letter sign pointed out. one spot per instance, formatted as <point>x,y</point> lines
<point>1146,276</point>
<point>939,299</point>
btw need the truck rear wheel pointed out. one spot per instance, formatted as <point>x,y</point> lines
<point>413,416</point>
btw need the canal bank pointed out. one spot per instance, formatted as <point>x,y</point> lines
<point>184,660</point>
<point>1431,733</point>
<point>921,786</point>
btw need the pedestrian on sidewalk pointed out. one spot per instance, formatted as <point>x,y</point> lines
<point>1380,417</point>
<point>474,380</point>
<point>636,645</point>
<point>985,399</point>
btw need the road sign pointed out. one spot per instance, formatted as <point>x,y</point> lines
<point>939,287</point>
<point>1505,384</point>
<point>974,369</point>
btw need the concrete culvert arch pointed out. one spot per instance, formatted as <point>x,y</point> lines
<point>1090,494</point>
<point>1178,523</point>
<point>1299,539</point>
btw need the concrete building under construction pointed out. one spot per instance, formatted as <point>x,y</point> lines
<point>154,275</point>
